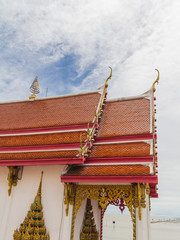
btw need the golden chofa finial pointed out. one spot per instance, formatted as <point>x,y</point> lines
<point>34,88</point>
<point>156,81</point>
<point>106,83</point>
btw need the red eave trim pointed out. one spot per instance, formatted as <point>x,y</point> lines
<point>110,179</point>
<point>68,146</point>
<point>37,162</point>
<point>154,195</point>
<point>44,130</point>
<point>119,160</point>
<point>124,138</point>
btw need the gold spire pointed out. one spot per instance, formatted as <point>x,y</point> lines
<point>34,88</point>
<point>156,81</point>
<point>89,231</point>
<point>106,83</point>
<point>37,201</point>
<point>33,226</point>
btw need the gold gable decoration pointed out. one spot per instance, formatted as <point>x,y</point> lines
<point>134,196</point>
<point>33,227</point>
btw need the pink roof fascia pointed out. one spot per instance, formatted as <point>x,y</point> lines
<point>71,146</point>
<point>37,162</point>
<point>110,179</point>
<point>124,138</point>
<point>146,159</point>
<point>45,130</point>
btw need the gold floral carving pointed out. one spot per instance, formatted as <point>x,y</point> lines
<point>104,194</point>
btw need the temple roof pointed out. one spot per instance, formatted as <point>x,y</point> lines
<point>107,138</point>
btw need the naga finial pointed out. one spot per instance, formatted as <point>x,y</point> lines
<point>106,83</point>
<point>156,81</point>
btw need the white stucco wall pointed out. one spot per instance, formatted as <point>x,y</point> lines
<point>14,209</point>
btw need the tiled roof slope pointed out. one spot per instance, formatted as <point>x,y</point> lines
<point>42,139</point>
<point>68,110</point>
<point>120,150</point>
<point>38,155</point>
<point>108,170</point>
<point>126,117</point>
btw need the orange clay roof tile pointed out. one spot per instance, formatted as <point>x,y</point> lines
<point>127,117</point>
<point>42,139</point>
<point>121,150</point>
<point>69,110</point>
<point>39,155</point>
<point>108,170</point>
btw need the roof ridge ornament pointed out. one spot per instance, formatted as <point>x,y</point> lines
<point>106,82</point>
<point>83,150</point>
<point>156,81</point>
<point>34,88</point>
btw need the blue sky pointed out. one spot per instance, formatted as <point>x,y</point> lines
<point>70,44</point>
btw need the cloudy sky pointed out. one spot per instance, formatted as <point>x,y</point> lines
<point>70,44</point>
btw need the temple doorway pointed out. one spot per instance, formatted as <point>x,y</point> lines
<point>117,222</point>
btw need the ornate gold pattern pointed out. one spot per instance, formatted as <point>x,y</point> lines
<point>134,223</point>
<point>13,177</point>
<point>33,226</point>
<point>140,200</point>
<point>156,81</point>
<point>153,124</point>
<point>73,223</point>
<point>98,112</point>
<point>69,195</point>
<point>106,83</point>
<point>133,195</point>
<point>103,194</point>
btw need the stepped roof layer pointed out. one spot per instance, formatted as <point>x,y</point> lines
<point>47,131</point>
<point>123,149</point>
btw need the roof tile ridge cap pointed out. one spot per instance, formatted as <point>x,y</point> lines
<point>52,97</point>
<point>83,151</point>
